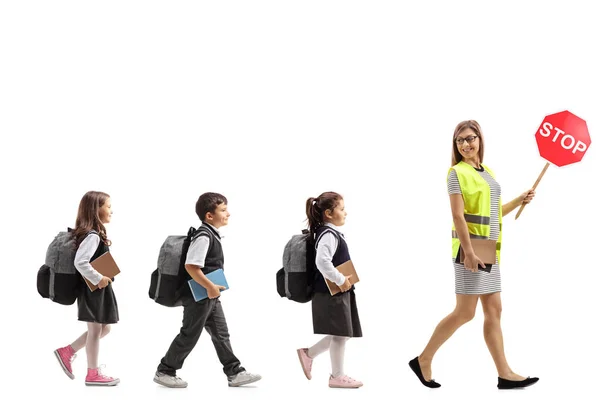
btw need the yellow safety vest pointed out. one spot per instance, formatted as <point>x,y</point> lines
<point>477,198</point>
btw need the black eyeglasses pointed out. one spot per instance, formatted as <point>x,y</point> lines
<point>469,139</point>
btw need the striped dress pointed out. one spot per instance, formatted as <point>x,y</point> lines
<point>480,282</point>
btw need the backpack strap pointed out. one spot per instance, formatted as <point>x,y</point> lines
<point>203,231</point>
<point>335,233</point>
<point>91,232</point>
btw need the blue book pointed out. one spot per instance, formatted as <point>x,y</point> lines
<point>217,277</point>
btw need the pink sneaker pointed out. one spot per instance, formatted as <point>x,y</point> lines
<point>96,378</point>
<point>306,362</point>
<point>66,355</point>
<point>344,382</point>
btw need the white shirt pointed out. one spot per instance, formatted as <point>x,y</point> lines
<point>196,254</point>
<point>84,253</point>
<point>325,250</point>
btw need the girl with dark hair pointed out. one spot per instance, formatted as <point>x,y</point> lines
<point>335,316</point>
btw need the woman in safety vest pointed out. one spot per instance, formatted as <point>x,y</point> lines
<point>477,211</point>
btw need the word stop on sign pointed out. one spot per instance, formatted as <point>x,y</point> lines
<point>567,141</point>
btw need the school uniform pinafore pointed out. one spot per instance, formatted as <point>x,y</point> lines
<point>99,306</point>
<point>334,315</point>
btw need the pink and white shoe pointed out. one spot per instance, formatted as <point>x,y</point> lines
<point>306,362</point>
<point>65,356</point>
<point>96,378</point>
<point>344,382</point>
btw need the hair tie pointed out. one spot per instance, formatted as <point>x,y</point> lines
<point>316,205</point>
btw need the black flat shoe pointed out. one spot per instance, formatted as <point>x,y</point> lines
<point>506,384</point>
<point>416,367</point>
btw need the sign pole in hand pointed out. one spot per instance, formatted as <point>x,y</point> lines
<point>562,139</point>
<point>534,186</point>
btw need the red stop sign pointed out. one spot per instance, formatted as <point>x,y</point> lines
<point>563,138</point>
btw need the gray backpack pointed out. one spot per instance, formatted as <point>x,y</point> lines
<point>295,278</point>
<point>168,280</point>
<point>58,279</point>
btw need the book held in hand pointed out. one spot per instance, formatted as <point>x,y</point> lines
<point>345,269</point>
<point>199,292</point>
<point>105,265</point>
<point>485,249</point>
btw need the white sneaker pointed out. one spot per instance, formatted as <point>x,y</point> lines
<point>243,378</point>
<point>169,381</point>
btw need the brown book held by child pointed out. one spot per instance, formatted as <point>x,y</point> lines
<point>345,269</point>
<point>105,265</point>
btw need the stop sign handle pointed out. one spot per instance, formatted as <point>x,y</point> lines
<point>534,186</point>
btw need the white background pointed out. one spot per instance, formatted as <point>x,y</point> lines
<point>270,102</point>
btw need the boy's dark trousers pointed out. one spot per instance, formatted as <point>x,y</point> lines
<point>208,314</point>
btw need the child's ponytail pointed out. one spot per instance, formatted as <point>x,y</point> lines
<point>314,217</point>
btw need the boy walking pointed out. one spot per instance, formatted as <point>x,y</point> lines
<point>204,255</point>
